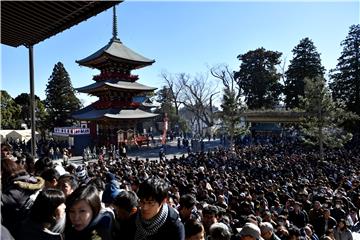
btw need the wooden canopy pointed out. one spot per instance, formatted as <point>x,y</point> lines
<point>30,22</point>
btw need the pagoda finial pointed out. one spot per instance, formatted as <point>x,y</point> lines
<point>115,32</point>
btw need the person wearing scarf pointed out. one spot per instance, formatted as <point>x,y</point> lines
<point>155,219</point>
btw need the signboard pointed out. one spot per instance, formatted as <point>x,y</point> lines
<point>66,131</point>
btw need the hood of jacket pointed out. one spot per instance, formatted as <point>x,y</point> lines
<point>28,182</point>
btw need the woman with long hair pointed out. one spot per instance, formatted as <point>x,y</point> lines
<point>86,219</point>
<point>47,217</point>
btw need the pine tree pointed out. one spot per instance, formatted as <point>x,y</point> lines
<point>60,98</point>
<point>345,78</point>
<point>232,108</point>
<point>305,63</point>
<point>258,78</point>
<point>164,97</point>
<point>323,117</point>
<point>231,104</point>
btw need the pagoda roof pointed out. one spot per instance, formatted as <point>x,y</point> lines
<point>114,84</point>
<point>150,104</point>
<point>90,113</point>
<point>115,51</point>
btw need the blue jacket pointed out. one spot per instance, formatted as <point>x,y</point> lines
<point>99,228</point>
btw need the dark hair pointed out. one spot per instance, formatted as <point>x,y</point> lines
<point>42,164</point>
<point>211,210</point>
<point>294,231</point>
<point>188,201</point>
<point>343,221</point>
<point>192,227</point>
<point>98,183</point>
<point>70,179</point>
<point>89,194</point>
<point>9,168</point>
<point>153,188</point>
<point>126,200</point>
<point>5,148</point>
<point>49,174</point>
<point>29,163</point>
<point>43,210</point>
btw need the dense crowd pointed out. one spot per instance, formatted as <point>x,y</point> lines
<point>279,191</point>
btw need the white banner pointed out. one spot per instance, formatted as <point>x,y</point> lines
<point>71,131</point>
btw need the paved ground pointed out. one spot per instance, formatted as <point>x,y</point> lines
<point>152,152</point>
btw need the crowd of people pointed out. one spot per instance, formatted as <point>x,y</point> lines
<point>266,191</point>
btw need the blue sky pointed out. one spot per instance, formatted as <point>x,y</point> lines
<point>184,37</point>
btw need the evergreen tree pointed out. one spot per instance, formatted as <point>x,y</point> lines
<point>23,100</point>
<point>10,112</point>
<point>258,78</point>
<point>231,106</point>
<point>231,102</point>
<point>305,63</point>
<point>164,97</point>
<point>345,78</point>
<point>323,117</point>
<point>60,98</point>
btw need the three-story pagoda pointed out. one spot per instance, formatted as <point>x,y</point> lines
<point>117,112</point>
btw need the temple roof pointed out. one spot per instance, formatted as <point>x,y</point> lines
<point>90,113</point>
<point>113,84</point>
<point>115,51</point>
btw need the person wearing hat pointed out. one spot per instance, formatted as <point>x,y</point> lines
<point>267,231</point>
<point>112,189</point>
<point>219,231</point>
<point>81,175</point>
<point>250,231</point>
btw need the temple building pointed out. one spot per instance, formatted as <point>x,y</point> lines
<point>114,118</point>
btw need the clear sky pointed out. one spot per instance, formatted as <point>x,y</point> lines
<point>184,36</point>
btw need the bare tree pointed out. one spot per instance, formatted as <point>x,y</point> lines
<point>231,102</point>
<point>197,96</point>
<point>175,87</point>
<point>223,73</point>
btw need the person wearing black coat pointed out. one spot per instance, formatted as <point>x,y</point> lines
<point>324,223</point>
<point>46,220</point>
<point>19,190</point>
<point>155,220</point>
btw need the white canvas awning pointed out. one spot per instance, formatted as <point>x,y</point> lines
<point>21,135</point>
<point>3,134</point>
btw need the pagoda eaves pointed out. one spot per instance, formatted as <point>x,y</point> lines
<point>116,52</point>
<point>112,113</point>
<point>115,85</point>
